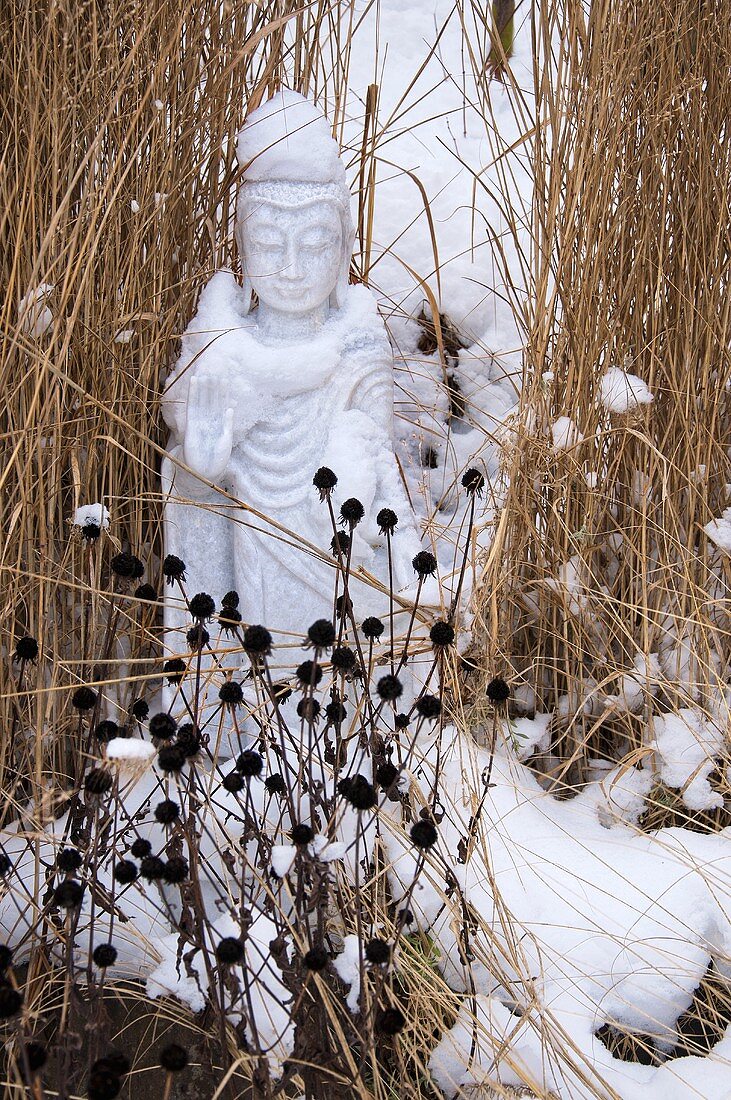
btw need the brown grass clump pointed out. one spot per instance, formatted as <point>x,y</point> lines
<point>601,553</point>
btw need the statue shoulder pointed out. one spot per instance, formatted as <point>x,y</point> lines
<point>363,325</point>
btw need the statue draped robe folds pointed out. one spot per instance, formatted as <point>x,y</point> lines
<point>261,398</point>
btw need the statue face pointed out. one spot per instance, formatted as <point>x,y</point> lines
<point>293,255</point>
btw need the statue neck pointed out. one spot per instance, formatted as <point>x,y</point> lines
<point>278,327</point>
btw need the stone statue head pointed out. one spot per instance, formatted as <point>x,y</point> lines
<point>294,226</point>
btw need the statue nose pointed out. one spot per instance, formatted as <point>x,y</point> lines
<point>291,269</point>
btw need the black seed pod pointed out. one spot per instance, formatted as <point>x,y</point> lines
<point>316,959</point>
<point>69,860</point>
<point>473,481</point>
<point>173,569</point>
<point>5,864</point>
<point>309,673</point>
<point>98,781</point>
<point>84,698</point>
<point>167,811</point>
<point>428,707</point>
<point>390,688</point>
<point>282,692</point>
<point>359,792</point>
<point>340,543</point>
<point>321,634</point>
<point>173,1058</point>
<point>189,741</point>
<point>386,520</point>
<point>26,649</point>
<point>229,620</point>
<point>141,848</point>
<point>257,641</point>
<point>146,592</point>
<point>423,834</point>
<point>103,1085</point>
<point>343,606</point>
<point>352,512</point>
<point>152,868</point>
<point>230,601</point>
<point>11,1002</point>
<point>6,957</point>
<point>125,871</point>
<point>197,637</point>
<point>163,726</point>
<point>401,721</point>
<point>309,709</point>
<point>171,758</point>
<point>324,481</point>
<point>230,951</point>
<point>441,634</point>
<point>390,1021</point>
<point>378,952</point>
<point>176,870</point>
<point>140,709</point>
<point>386,774</point>
<point>233,782</point>
<point>106,731</point>
<point>275,784</point>
<point>372,628</point>
<point>425,564</point>
<point>343,659</point>
<point>302,834</point>
<point>105,954</point>
<point>115,1062</point>
<point>174,670</point>
<point>202,606</point>
<point>231,693</point>
<point>68,894</point>
<point>127,566</point>
<point>497,690</point>
<point>91,531</point>
<point>250,763</point>
<point>335,712</point>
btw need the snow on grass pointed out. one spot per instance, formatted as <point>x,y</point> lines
<point>34,313</point>
<point>89,514</point>
<point>620,392</point>
<point>687,745</point>
<point>565,434</point>
<point>719,531</point>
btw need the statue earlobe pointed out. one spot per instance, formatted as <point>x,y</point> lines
<point>340,290</point>
<point>247,289</point>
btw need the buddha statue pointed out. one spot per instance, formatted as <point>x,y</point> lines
<point>263,395</point>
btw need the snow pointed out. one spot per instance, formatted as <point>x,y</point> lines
<point>687,744</point>
<point>565,434</point>
<point>719,530</point>
<point>620,392</point>
<point>130,750</point>
<point>124,336</point>
<point>34,313</point>
<point>91,514</point>
<point>287,138</point>
<point>348,967</point>
<point>283,856</point>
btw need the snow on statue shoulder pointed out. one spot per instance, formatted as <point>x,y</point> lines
<point>262,395</point>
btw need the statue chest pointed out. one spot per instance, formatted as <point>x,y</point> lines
<point>274,462</point>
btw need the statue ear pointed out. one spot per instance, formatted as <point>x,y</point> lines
<point>247,288</point>
<point>340,290</point>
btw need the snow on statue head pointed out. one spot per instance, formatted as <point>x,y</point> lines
<point>294,227</point>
